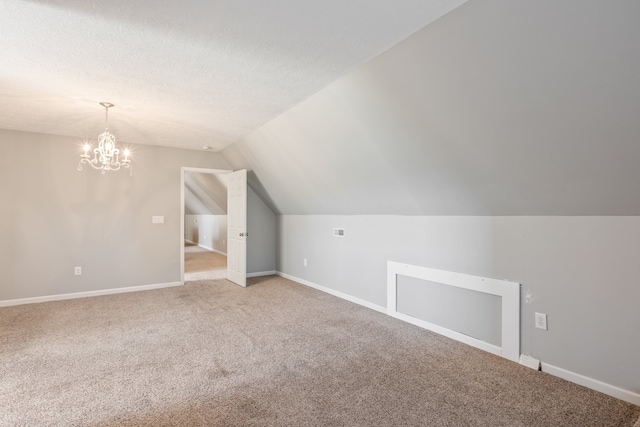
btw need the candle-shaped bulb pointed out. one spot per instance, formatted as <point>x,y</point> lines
<point>86,148</point>
<point>126,154</point>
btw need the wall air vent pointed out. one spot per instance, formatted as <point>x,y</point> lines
<point>338,232</point>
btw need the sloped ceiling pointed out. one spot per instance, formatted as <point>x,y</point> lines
<point>499,108</point>
<point>189,73</point>
<point>205,193</point>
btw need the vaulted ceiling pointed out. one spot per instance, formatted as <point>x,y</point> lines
<point>489,107</point>
<point>205,193</point>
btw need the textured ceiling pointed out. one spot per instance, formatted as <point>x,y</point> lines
<point>185,74</point>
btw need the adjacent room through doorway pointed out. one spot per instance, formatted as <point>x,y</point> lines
<point>205,225</point>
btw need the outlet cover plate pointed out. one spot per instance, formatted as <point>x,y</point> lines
<point>541,321</point>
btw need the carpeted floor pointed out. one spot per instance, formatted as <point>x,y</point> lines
<point>274,354</point>
<point>202,264</point>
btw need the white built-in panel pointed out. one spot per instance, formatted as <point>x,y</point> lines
<point>508,291</point>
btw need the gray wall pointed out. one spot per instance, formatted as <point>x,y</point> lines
<point>261,243</point>
<point>583,272</point>
<point>207,231</point>
<point>53,218</point>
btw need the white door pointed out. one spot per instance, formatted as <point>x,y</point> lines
<point>237,227</point>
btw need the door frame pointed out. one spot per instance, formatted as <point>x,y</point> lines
<point>182,172</point>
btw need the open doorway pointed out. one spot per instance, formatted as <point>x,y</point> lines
<point>204,224</point>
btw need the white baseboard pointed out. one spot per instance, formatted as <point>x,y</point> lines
<point>261,273</point>
<point>334,293</point>
<point>530,362</point>
<point>611,390</point>
<point>211,249</point>
<point>205,247</point>
<point>86,294</point>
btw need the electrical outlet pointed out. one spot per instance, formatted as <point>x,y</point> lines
<point>77,271</point>
<point>304,262</point>
<point>541,321</point>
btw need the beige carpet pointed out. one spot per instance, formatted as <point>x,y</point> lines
<point>274,354</point>
<point>203,264</point>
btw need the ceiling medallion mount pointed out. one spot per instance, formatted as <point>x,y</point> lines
<point>107,156</point>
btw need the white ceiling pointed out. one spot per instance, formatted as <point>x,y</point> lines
<point>186,74</point>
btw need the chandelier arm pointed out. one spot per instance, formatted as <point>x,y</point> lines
<point>93,163</point>
<point>96,164</point>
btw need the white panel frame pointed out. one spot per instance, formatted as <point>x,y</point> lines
<point>508,291</point>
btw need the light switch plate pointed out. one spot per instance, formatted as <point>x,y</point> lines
<point>157,220</point>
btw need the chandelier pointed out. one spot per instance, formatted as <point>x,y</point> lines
<point>107,156</point>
